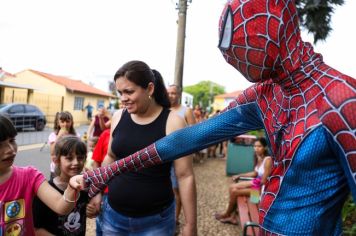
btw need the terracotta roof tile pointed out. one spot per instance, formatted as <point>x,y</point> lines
<point>4,74</point>
<point>73,85</point>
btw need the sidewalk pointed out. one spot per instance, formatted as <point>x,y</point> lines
<point>29,139</point>
<point>212,191</point>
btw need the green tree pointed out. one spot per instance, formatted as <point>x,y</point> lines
<point>204,92</point>
<point>315,16</point>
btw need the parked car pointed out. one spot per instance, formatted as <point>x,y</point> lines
<point>24,115</point>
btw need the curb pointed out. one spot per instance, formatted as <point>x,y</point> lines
<point>30,146</point>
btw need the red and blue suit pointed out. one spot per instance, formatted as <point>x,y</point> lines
<point>306,108</point>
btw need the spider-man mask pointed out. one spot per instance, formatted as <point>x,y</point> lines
<point>261,38</point>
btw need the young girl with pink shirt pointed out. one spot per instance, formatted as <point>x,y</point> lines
<point>19,185</point>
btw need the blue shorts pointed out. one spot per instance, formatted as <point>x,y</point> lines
<point>174,177</point>
<point>115,224</point>
<point>99,219</point>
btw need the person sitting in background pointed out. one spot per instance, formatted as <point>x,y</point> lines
<point>263,167</point>
<point>99,123</point>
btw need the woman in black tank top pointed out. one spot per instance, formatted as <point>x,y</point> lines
<point>143,202</point>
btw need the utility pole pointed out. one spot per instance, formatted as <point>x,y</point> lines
<point>182,16</point>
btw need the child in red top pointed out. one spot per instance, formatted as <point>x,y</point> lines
<point>101,149</point>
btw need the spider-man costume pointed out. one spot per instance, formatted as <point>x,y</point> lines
<point>306,108</point>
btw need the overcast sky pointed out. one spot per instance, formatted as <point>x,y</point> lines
<point>90,40</point>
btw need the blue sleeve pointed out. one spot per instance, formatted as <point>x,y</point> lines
<point>231,123</point>
<point>340,153</point>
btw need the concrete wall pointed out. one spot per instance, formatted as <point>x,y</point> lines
<point>14,95</point>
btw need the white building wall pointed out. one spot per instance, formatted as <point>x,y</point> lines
<point>187,99</point>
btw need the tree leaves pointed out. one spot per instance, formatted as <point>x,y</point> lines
<point>203,92</point>
<point>315,16</point>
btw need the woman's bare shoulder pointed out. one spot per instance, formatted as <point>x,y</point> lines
<point>175,122</point>
<point>116,117</point>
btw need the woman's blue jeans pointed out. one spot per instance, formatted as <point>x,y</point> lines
<point>161,224</point>
<point>99,219</point>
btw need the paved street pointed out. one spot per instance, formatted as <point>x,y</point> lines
<point>35,157</point>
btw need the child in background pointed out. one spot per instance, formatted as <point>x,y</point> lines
<point>91,145</point>
<point>19,185</point>
<point>99,123</point>
<point>63,124</point>
<point>70,154</point>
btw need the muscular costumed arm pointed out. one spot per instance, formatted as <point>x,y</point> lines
<point>232,122</point>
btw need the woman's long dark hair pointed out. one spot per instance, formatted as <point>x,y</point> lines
<point>263,141</point>
<point>141,74</point>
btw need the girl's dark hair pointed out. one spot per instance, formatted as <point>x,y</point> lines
<point>68,144</point>
<point>64,116</point>
<point>141,74</point>
<point>263,141</point>
<point>55,122</point>
<point>7,128</point>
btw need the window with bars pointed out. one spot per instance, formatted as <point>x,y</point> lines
<point>78,103</point>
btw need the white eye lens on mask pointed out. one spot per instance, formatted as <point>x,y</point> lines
<point>226,31</point>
